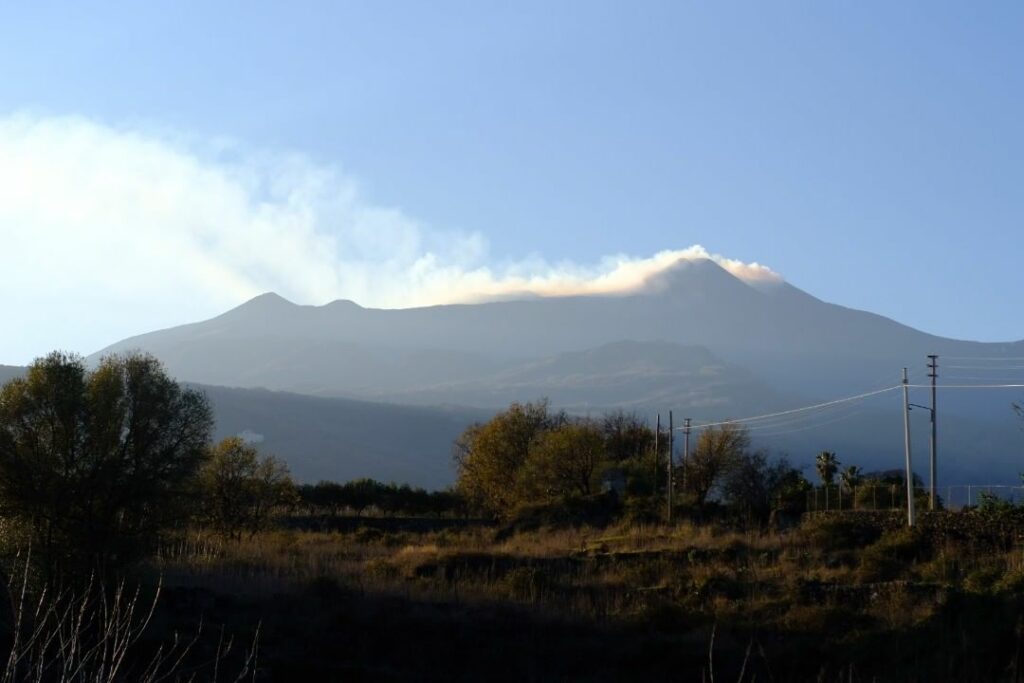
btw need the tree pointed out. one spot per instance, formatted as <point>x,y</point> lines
<point>324,495</point>
<point>827,465</point>
<point>627,436</point>
<point>718,449</point>
<point>851,477</point>
<point>240,489</point>
<point>360,494</point>
<point>95,464</point>
<point>563,462</point>
<point>754,485</point>
<point>488,457</point>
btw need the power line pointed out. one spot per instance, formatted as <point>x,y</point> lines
<point>967,386</point>
<point>801,409</point>
<point>848,399</point>
<point>840,418</point>
<point>979,378</point>
<point>801,419</point>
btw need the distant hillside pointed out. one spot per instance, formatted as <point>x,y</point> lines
<point>336,438</point>
<point>9,372</point>
<point>642,376</point>
<point>341,439</point>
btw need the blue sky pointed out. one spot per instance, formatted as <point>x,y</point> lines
<point>869,152</point>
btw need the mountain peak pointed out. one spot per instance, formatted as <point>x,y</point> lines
<point>701,274</point>
<point>268,299</point>
<point>265,305</point>
<point>342,304</point>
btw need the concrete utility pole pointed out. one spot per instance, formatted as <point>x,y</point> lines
<point>686,450</point>
<point>671,443</point>
<point>933,372</point>
<point>657,457</point>
<point>906,450</point>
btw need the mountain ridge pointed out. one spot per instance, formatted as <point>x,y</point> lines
<point>778,347</point>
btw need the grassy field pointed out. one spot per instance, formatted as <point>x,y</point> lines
<point>848,596</point>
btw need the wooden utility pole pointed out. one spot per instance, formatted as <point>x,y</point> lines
<point>906,450</point>
<point>933,372</point>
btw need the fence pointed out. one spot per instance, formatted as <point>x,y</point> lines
<point>894,496</point>
<point>963,495</point>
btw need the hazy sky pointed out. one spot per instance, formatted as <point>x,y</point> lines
<point>160,162</point>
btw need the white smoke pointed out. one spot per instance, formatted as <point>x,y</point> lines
<point>106,232</point>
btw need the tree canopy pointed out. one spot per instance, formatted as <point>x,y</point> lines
<point>93,463</point>
<point>827,465</point>
<point>240,488</point>
<point>488,457</point>
<point>563,462</point>
<point>717,450</point>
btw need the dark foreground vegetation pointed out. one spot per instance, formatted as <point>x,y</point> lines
<point>135,549</point>
<point>844,596</point>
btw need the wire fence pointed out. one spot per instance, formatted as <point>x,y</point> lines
<point>963,495</point>
<point>894,496</point>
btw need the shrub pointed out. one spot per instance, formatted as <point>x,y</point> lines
<point>983,579</point>
<point>524,583</point>
<point>841,532</point>
<point>891,555</point>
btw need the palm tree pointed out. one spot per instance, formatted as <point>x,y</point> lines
<point>827,465</point>
<point>851,477</point>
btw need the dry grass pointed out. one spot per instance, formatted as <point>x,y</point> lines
<point>844,594</point>
<point>619,571</point>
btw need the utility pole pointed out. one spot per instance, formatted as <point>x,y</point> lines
<point>671,452</point>
<point>657,458</point>
<point>906,450</point>
<point>933,372</point>
<point>686,450</point>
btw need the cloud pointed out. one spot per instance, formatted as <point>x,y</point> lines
<point>108,232</point>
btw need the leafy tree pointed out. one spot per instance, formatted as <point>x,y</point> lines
<point>754,485</point>
<point>791,490</point>
<point>94,464</point>
<point>717,450</point>
<point>240,489</point>
<point>887,489</point>
<point>627,436</point>
<point>488,457</point>
<point>827,465</point>
<point>563,462</point>
<point>447,502</point>
<point>360,494</point>
<point>332,498</point>
<point>629,446</point>
<point>324,495</point>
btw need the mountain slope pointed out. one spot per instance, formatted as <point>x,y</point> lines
<point>774,347</point>
<point>338,439</point>
<point>642,376</point>
<point>789,338</point>
<point>9,372</point>
<point>341,439</point>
